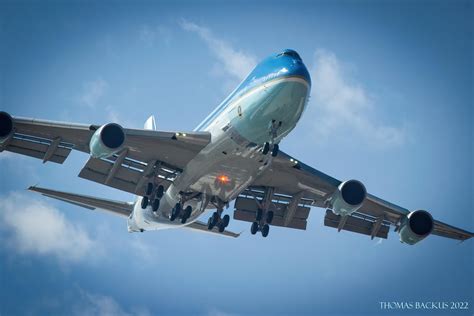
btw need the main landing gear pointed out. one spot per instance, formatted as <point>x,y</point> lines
<point>217,219</point>
<point>262,224</point>
<point>179,212</point>
<point>152,195</point>
<point>264,215</point>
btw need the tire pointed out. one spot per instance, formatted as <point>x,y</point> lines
<point>186,214</point>
<point>221,228</point>
<point>209,224</point>
<point>259,214</point>
<point>149,188</point>
<point>144,202</point>
<point>215,218</point>
<point>156,205</point>
<point>175,212</point>
<point>254,228</point>
<point>275,150</point>
<point>225,220</point>
<point>160,191</point>
<point>269,217</point>
<point>266,148</point>
<point>172,216</point>
<point>265,230</point>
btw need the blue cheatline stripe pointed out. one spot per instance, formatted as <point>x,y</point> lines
<point>239,91</point>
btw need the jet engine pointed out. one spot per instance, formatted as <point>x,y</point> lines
<point>348,197</point>
<point>415,227</point>
<point>107,140</point>
<point>6,126</point>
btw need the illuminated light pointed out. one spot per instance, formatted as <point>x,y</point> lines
<point>296,161</point>
<point>177,134</point>
<point>184,134</point>
<point>223,179</point>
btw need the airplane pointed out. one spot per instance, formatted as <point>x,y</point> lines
<point>232,155</point>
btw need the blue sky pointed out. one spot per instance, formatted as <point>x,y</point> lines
<point>391,105</point>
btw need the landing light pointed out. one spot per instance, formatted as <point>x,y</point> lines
<point>223,179</point>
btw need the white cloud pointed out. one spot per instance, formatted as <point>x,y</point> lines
<point>235,62</point>
<point>93,91</point>
<point>36,227</point>
<point>103,305</point>
<point>340,105</point>
<point>217,312</point>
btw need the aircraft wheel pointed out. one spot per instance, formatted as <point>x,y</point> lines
<point>210,226</point>
<point>149,188</point>
<point>187,214</point>
<point>144,202</point>
<point>160,191</point>
<point>265,230</point>
<point>266,148</point>
<point>254,228</point>
<point>225,220</point>
<point>275,150</point>
<point>215,218</point>
<point>259,214</point>
<point>269,217</point>
<point>221,227</point>
<point>175,212</point>
<point>156,205</point>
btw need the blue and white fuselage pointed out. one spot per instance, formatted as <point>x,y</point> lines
<point>264,108</point>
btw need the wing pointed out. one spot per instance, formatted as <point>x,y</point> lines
<point>143,155</point>
<point>294,186</point>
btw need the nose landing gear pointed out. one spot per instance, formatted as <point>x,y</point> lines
<point>274,126</point>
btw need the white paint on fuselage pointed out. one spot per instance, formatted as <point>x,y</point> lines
<point>227,154</point>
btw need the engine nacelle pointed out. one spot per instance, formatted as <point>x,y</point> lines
<point>6,126</point>
<point>348,197</point>
<point>107,140</point>
<point>415,227</point>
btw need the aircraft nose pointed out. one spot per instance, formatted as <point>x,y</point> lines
<point>293,65</point>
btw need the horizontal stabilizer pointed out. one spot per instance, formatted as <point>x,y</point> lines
<point>202,227</point>
<point>89,202</point>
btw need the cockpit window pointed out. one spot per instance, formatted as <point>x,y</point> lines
<point>290,52</point>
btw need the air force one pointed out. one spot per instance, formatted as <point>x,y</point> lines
<point>232,155</point>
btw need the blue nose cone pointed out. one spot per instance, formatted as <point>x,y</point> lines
<point>289,63</point>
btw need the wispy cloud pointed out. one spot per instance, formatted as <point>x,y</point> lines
<point>340,105</point>
<point>217,312</point>
<point>39,228</point>
<point>93,91</point>
<point>151,35</point>
<point>235,62</point>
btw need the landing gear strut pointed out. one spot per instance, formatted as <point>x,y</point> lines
<point>273,131</point>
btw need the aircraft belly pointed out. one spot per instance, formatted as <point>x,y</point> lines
<point>228,171</point>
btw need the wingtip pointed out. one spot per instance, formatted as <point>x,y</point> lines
<point>32,187</point>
